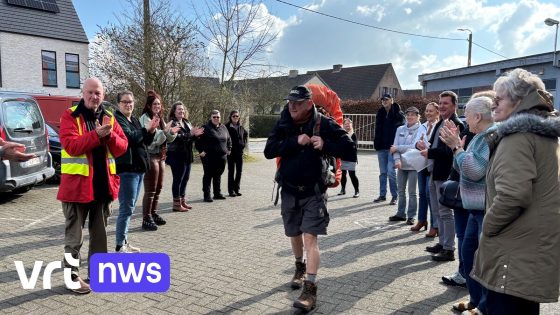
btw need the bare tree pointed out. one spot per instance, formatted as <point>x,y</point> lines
<point>238,33</point>
<point>128,58</point>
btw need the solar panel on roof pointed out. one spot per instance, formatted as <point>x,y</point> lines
<point>43,5</point>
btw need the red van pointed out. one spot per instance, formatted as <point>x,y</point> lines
<point>53,107</point>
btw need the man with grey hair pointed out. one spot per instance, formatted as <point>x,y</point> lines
<point>91,140</point>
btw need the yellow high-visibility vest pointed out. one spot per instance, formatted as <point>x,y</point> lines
<point>78,165</point>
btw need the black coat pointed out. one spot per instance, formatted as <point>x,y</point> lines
<point>215,141</point>
<point>238,138</point>
<point>301,166</point>
<point>386,125</point>
<point>135,158</point>
<point>183,143</point>
<point>442,154</point>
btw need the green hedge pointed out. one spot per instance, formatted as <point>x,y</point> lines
<point>261,125</point>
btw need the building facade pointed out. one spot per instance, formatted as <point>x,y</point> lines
<point>469,80</point>
<point>43,50</point>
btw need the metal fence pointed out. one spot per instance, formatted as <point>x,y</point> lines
<point>364,125</point>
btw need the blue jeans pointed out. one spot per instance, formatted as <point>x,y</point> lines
<point>470,244</point>
<point>424,201</point>
<point>131,182</point>
<point>407,178</point>
<point>386,167</point>
<point>461,219</point>
<point>181,170</point>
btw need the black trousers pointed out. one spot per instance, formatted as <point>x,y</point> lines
<point>235,168</point>
<point>213,167</point>
<point>499,303</point>
<point>353,178</point>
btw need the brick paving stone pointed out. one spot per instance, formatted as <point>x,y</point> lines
<point>231,257</point>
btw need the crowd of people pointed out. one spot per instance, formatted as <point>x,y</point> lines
<point>110,155</point>
<point>504,161</point>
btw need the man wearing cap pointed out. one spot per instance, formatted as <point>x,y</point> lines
<point>389,117</point>
<point>304,198</point>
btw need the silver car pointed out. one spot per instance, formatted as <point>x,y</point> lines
<point>21,121</point>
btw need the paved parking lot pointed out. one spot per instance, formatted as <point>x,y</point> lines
<point>232,257</point>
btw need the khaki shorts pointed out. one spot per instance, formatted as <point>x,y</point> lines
<point>304,214</point>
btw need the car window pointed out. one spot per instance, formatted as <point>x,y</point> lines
<point>51,131</point>
<point>22,118</point>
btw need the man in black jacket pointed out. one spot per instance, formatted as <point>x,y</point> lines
<point>441,157</point>
<point>388,118</point>
<point>304,198</point>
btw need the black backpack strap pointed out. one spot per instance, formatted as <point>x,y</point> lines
<point>317,127</point>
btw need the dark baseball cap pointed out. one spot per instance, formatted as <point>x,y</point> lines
<point>299,93</point>
<point>386,95</point>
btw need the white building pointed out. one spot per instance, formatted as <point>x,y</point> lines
<point>43,47</point>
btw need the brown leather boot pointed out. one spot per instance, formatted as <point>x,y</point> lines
<point>177,206</point>
<point>184,203</point>
<point>419,225</point>
<point>299,275</point>
<point>308,298</point>
<point>432,233</point>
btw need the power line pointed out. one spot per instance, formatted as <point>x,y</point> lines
<point>367,25</point>
<point>490,50</point>
<point>386,29</point>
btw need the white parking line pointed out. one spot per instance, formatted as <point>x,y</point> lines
<point>40,220</point>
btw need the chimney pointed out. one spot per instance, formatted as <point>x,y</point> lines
<point>336,68</point>
<point>293,74</point>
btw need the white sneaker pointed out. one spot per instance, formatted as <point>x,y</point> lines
<point>127,248</point>
<point>455,279</point>
<point>474,311</point>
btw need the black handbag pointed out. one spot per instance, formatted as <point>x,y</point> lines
<point>450,195</point>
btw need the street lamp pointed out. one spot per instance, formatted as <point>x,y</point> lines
<point>552,22</point>
<point>470,43</point>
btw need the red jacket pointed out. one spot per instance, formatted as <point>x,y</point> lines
<point>79,188</point>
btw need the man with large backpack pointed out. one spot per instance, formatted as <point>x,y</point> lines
<point>302,137</point>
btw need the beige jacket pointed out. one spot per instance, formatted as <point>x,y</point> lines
<point>519,249</point>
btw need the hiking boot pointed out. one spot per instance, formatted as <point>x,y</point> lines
<point>379,199</point>
<point>83,289</point>
<point>158,220</point>
<point>434,249</point>
<point>149,225</point>
<point>455,280</point>
<point>308,298</point>
<point>444,255</point>
<point>299,275</point>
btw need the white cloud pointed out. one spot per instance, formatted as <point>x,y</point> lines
<point>512,29</point>
<point>377,10</point>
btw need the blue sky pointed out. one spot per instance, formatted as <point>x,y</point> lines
<point>309,41</point>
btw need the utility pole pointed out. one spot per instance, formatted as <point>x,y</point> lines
<point>147,47</point>
<point>470,44</point>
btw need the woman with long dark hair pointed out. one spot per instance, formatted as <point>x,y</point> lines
<point>180,154</point>
<point>153,180</point>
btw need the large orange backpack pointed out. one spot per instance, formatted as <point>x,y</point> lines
<point>326,98</point>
